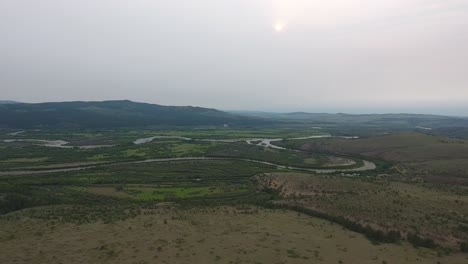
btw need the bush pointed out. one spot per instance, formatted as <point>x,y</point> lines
<point>393,236</point>
<point>419,241</point>
<point>464,247</point>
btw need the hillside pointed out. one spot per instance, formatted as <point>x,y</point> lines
<point>114,114</point>
<point>110,114</point>
<point>7,102</point>
<point>405,121</point>
<point>414,155</point>
<point>397,147</point>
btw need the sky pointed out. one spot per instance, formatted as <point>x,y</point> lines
<point>355,56</point>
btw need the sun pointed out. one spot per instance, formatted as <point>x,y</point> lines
<point>278,26</point>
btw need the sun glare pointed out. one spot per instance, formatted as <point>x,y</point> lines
<point>278,26</point>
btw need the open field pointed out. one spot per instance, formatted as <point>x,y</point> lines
<point>412,155</point>
<point>123,136</point>
<point>147,181</point>
<point>212,235</point>
<point>120,148</point>
<point>165,191</point>
<point>398,147</point>
<point>128,193</point>
<point>408,208</point>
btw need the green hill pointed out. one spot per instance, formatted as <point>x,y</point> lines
<point>419,121</point>
<point>112,114</point>
<point>7,102</point>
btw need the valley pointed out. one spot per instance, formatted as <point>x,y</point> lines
<point>351,182</point>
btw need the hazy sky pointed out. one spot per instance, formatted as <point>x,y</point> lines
<point>283,55</point>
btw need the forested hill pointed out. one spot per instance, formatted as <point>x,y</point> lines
<point>112,114</point>
<point>406,121</point>
<point>7,102</point>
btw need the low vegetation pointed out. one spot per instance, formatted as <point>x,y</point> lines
<point>409,203</point>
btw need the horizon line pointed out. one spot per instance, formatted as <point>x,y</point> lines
<point>304,111</point>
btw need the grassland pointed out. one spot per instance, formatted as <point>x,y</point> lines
<point>398,147</point>
<point>26,155</point>
<point>385,205</point>
<point>123,136</point>
<point>412,192</point>
<point>412,155</point>
<point>147,181</point>
<point>204,235</point>
<point>166,191</point>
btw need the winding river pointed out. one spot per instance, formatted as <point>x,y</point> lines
<point>55,143</point>
<point>368,165</point>
<point>266,142</point>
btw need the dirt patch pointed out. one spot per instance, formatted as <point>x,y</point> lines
<point>338,161</point>
<point>108,191</point>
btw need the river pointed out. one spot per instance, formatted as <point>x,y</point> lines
<point>266,142</point>
<point>368,165</point>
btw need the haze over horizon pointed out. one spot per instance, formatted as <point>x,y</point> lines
<point>356,56</point>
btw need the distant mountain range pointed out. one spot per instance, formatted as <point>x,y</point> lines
<point>419,121</point>
<point>7,102</point>
<point>113,114</point>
